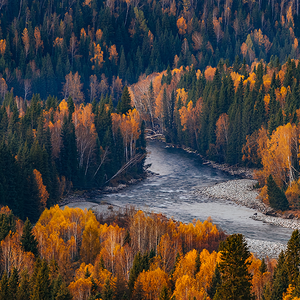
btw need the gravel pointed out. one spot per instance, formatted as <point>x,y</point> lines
<point>263,249</point>
<point>242,192</point>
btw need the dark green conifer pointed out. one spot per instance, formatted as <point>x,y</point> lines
<point>292,257</point>
<point>277,198</point>
<point>236,279</point>
<point>215,283</point>
<point>165,293</point>
<point>24,287</point>
<point>107,292</point>
<point>280,278</point>
<point>28,241</point>
<point>13,283</point>
<point>197,264</point>
<point>125,101</point>
<point>4,289</point>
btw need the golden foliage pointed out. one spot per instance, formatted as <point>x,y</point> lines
<point>43,194</point>
<point>97,59</point>
<point>277,156</point>
<point>26,41</point>
<point>58,42</point>
<point>209,73</point>
<point>182,26</point>
<point>2,46</point>
<point>152,283</point>
<point>113,54</point>
<point>38,40</point>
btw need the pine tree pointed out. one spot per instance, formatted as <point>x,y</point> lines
<point>125,101</point>
<point>13,284</point>
<point>236,279</point>
<point>292,257</point>
<point>280,278</point>
<point>277,198</point>
<point>28,241</point>
<point>107,292</point>
<point>137,268</point>
<point>263,267</point>
<point>41,283</point>
<point>164,294</point>
<point>215,283</point>
<point>197,264</point>
<point>4,289</point>
<point>24,287</point>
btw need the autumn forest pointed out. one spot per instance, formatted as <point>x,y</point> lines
<point>82,82</point>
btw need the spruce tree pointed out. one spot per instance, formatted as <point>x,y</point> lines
<point>137,268</point>
<point>216,281</point>
<point>28,241</point>
<point>125,101</point>
<point>277,198</point>
<point>235,277</point>
<point>24,287</point>
<point>41,283</point>
<point>4,289</point>
<point>292,257</point>
<point>164,294</point>
<point>280,278</point>
<point>107,292</point>
<point>13,284</point>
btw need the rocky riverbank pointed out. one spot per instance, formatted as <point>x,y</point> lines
<point>242,192</point>
<point>262,249</point>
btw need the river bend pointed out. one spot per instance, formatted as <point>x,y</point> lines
<point>171,192</point>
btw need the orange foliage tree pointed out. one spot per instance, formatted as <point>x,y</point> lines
<point>43,194</point>
<point>182,26</point>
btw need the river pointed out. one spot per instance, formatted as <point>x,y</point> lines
<point>171,192</point>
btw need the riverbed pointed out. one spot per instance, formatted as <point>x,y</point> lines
<point>172,191</point>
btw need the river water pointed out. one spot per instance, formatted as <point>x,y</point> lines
<point>171,192</point>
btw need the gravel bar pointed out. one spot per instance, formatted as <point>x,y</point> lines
<point>263,249</point>
<point>240,191</point>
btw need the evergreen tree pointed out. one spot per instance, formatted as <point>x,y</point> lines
<point>13,284</point>
<point>107,293</point>
<point>235,277</point>
<point>215,283</point>
<point>197,264</point>
<point>125,105</point>
<point>4,289</point>
<point>24,287</point>
<point>280,278</point>
<point>137,268</point>
<point>28,241</point>
<point>164,294</point>
<point>277,198</point>
<point>292,257</point>
<point>41,283</point>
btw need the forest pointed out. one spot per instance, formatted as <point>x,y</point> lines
<point>239,114</point>
<point>129,254</point>
<point>81,81</point>
<point>105,44</point>
<point>50,148</point>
